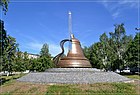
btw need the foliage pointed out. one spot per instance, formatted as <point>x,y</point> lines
<point>95,56</point>
<point>32,65</point>
<point>43,62</point>
<point>4,5</point>
<point>26,60</point>
<point>118,46</point>
<point>40,64</point>
<point>8,47</point>
<point>133,53</point>
<point>8,57</point>
<point>114,52</point>
<point>45,50</point>
<point>3,42</point>
<point>3,37</point>
<point>21,61</point>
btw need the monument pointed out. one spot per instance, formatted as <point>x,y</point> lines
<point>75,57</point>
<point>74,68</point>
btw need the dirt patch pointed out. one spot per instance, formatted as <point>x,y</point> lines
<point>24,88</point>
<point>137,84</point>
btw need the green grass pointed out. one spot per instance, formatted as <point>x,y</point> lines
<point>93,89</point>
<point>124,88</point>
<point>6,94</point>
<point>12,76</point>
<point>9,79</point>
<point>62,89</point>
<point>21,88</point>
<point>133,76</point>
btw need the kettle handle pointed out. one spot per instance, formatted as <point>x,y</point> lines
<point>57,57</point>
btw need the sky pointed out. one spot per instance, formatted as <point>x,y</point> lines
<point>36,22</point>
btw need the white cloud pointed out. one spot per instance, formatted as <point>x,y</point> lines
<point>105,3</point>
<point>112,8</point>
<point>117,8</point>
<point>116,14</point>
<point>129,3</point>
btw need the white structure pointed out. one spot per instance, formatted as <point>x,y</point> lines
<point>32,55</point>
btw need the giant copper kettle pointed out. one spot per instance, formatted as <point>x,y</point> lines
<point>75,57</point>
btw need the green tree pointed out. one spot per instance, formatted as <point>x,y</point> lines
<point>104,46</point>
<point>95,55</point>
<point>4,5</point>
<point>118,46</point>
<point>112,55</point>
<point>26,60</point>
<point>19,64</point>
<point>45,50</point>
<point>43,62</point>
<point>92,54</point>
<point>33,63</point>
<point>3,42</point>
<point>86,52</point>
<point>3,37</point>
<point>9,55</point>
<point>133,54</point>
<point>110,52</point>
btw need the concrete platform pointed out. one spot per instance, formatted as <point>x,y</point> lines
<point>73,75</point>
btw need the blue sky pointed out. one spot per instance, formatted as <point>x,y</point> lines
<point>35,22</point>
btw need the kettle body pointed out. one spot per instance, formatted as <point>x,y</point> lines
<point>75,57</point>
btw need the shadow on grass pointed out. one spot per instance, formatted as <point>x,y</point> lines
<point>4,79</point>
<point>129,73</point>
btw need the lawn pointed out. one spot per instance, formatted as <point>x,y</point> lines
<point>14,87</point>
<point>133,76</point>
<point>7,79</point>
